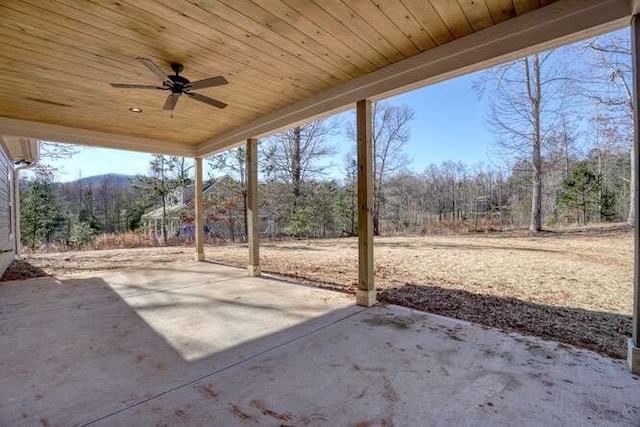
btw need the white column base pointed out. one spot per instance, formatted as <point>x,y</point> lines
<point>633,357</point>
<point>254,270</point>
<point>199,256</point>
<point>366,298</point>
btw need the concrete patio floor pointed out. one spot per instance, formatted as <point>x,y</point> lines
<point>203,344</point>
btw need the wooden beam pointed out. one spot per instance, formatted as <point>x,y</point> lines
<point>633,355</point>
<point>366,292</point>
<point>198,225</point>
<point>57,133</point>
<point>559,23</point>
<point>253,226</point>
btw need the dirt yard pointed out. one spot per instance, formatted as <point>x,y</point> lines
<point>574,287</point>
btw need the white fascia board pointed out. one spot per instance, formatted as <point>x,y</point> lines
<point>70,135</point>
<point>557,24</point>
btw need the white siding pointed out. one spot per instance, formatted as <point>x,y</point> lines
<point>6,223</point>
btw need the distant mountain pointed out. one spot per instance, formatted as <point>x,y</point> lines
<point>97,180</point>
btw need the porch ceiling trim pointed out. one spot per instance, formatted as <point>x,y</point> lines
<point>20,149</point>
<point>49,132</point>
<point>551,26</point>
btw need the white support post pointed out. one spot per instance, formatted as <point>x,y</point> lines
<point>253,228</point>
<point>198,225</point>
<point>633,354</point>
<point>366,292</point>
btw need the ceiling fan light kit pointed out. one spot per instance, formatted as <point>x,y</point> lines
<point>177,85</point>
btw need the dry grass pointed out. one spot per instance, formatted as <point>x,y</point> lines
<point>104,241</point>
<point>126,240</point>
<point>573,286</point>
<point>590,271</point>
<point>63,263</point>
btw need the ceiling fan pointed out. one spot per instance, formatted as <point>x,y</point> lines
<point>178,85</point>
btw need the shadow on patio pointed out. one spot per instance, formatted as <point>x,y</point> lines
<point>77,349</point>
<point>203,344</point>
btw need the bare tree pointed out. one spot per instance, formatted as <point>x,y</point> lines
<point>351,189</point>
<point>525,101</point>
<point>159,185</point>
<point>234,163</point>
<point>56,150</point>
<point>611,87</point>
<point>296,155</point>
<point>562,147</point>
<point>182,168</point>
<point>391,132</point>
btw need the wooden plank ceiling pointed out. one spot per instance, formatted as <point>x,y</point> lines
<point>59,56</point>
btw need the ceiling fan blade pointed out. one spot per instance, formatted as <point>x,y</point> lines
<point>128,86</point>
<point>206,100</point>
<point>170,103</point>
<point>156,70</point>
<point>210,82</point>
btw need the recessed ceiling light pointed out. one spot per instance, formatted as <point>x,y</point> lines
<point>135,110</point>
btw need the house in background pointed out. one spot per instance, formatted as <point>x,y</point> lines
<point>224,218</point>
<point>178,216</point>
<point>224,212</point>
<point>15,154</point>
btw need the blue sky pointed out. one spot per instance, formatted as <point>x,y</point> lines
<point>437,134</point>
<point>449,124</point>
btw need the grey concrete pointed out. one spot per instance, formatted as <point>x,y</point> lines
<point>200,344</point>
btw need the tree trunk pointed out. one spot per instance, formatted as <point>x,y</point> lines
<point>536,196</point>
<point>354,190</point>
<point>376,218</point>
<point>632,186</point>
<point>377,185</point>
<point>500,199</point>
<point>534,92</point>
<point>164,205</point>
<point>244,213</point>
<point>295,166</point>
<point>164,220</point>
<point>566,160</point>
<point>453,199</point>
<point>232,234</point>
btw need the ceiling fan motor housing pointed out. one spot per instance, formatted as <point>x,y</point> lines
<point>178,85</point>
<point>179,82</point>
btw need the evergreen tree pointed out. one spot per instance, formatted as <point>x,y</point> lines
<point>41,216</point>
<point>581,190</point>
<point>608,205</point>
<point>87,213</point>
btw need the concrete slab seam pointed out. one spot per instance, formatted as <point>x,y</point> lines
<point>246,359</point>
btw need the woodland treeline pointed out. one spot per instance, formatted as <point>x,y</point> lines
<point>561,154</point>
